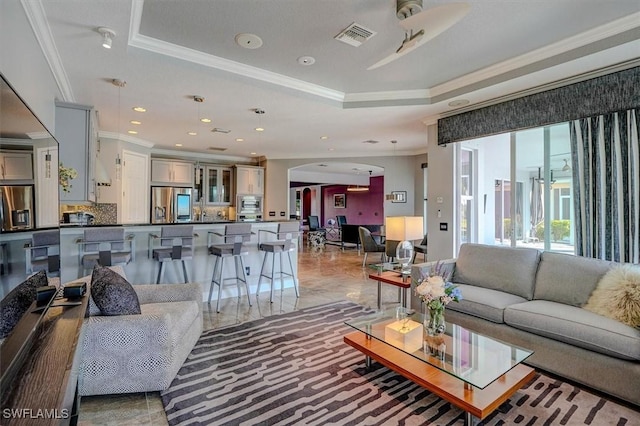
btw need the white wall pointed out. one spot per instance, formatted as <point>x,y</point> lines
<point>23,64</point>
<point>441,172</point>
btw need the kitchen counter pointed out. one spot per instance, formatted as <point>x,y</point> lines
<point>143,269</point>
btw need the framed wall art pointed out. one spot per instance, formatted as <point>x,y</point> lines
<point>339,201</point>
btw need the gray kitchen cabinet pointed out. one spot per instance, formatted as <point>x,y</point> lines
<point>77,135</point>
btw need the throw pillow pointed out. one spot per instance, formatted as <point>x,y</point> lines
<point>617,295</point>
<point>16,303</point>
<point>112,293</point>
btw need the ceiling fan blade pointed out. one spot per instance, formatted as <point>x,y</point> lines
<point>436,20</point>
<point>393,57</point>
<point>431,22</point>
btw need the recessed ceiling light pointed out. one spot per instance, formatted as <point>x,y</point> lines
<point>191,133</point>
<point>254,153</point>
<point>132,132</point>
<point>248,41</point>
<point>178,144</point>
<point>259,129</point>
<point>306,60</point>
<point>331,149</point>
<point>205,120</point>
<point>136,122</point>
<point>239,140</point>
<point>139,109</point>
<point>459,103</point>
<point>324,138</point>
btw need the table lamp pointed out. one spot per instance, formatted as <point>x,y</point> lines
<point>404,229</point>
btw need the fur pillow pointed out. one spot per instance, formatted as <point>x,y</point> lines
<point>617,295</point>
<point>112,293</point>
<point>16,303</point>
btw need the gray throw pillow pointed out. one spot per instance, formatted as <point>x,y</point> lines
<point>16,303</point>
<point>112,293</point>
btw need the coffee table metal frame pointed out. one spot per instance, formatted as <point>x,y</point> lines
<point>434,373</point>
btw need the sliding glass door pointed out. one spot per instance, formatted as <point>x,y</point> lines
<point>521,189</point>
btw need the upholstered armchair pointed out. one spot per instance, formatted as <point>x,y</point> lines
<point>140,353</point>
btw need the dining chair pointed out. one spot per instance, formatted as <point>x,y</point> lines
<point>420,248</point>
<point>369,245</point>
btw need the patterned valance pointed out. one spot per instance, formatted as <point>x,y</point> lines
<point>601,95</point>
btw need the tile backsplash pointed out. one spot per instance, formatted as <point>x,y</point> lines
<point>105,213</point>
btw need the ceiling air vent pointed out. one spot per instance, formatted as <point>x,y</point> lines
<point>355,35</point>
<point>215,148</point>
<point>370,141</point>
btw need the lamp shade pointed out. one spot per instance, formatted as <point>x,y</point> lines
<point>403,228</point>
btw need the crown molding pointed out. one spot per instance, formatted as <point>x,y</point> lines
<point>610,29</point>
<point>38,21</point>
<point>126,138</point>
<point>201,156</point>
<point>186,54</point>
<point>388,95</point>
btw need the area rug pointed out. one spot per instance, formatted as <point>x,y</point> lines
<point>294,369</point>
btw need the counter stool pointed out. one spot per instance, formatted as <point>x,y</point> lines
<point>235,235</point>
<point>104,247</point>
<point>176,243</point>
<point>285,236</point>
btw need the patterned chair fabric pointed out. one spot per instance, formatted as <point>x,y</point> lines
<point>140,353</point>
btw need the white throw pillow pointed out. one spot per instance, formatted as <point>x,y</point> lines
<point>617,295</point>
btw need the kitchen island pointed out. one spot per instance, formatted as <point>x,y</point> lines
<point>143,269</point>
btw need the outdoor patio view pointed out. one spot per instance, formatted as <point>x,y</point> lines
<point>515,189</point>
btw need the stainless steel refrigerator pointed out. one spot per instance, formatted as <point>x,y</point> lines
<point>171,205</point>
<point>16,209</point>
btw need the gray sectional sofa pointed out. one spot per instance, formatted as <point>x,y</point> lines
<point>534,299</point>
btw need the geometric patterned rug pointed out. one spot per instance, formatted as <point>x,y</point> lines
<point>294,369</point>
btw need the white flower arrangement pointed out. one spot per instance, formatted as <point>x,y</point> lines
<point>65,174</point>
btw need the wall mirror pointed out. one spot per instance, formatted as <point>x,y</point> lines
<point>29,211</point>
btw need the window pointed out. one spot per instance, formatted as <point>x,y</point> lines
<point>515,189</point>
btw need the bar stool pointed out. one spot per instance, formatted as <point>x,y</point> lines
<point>104,247</point>
<point>176,243</point>
<point>289,231</point>
<point>238,234</point>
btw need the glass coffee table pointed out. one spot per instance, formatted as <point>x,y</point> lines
<point>471,371</point>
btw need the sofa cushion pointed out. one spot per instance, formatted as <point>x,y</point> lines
<point>16,303</point>
<point>512,270</point>
<point>181,316</point>
<point>112,293</point>
<point>568,279</point>
<point>575,326</point>
<point>483,302</point>
<point>617,295</point>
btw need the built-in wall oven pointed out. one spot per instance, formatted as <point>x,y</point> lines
<point>248,208</point>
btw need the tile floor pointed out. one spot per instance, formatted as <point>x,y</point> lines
<point>324,275</point>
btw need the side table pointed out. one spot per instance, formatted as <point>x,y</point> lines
<point>394,278</point>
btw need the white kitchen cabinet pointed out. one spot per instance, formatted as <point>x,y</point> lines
<point>249,180</point>
<point>77,135</point>
<point>16,165</point>
<point>169,172</point>
<point>218,185</point>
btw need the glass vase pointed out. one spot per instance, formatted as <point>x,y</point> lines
<point>434,319</point>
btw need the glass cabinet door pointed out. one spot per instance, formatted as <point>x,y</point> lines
<point>218,182</point>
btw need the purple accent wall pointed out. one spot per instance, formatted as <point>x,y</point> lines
<point>362,208</point>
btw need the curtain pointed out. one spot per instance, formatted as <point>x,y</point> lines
<point>606,182</point>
